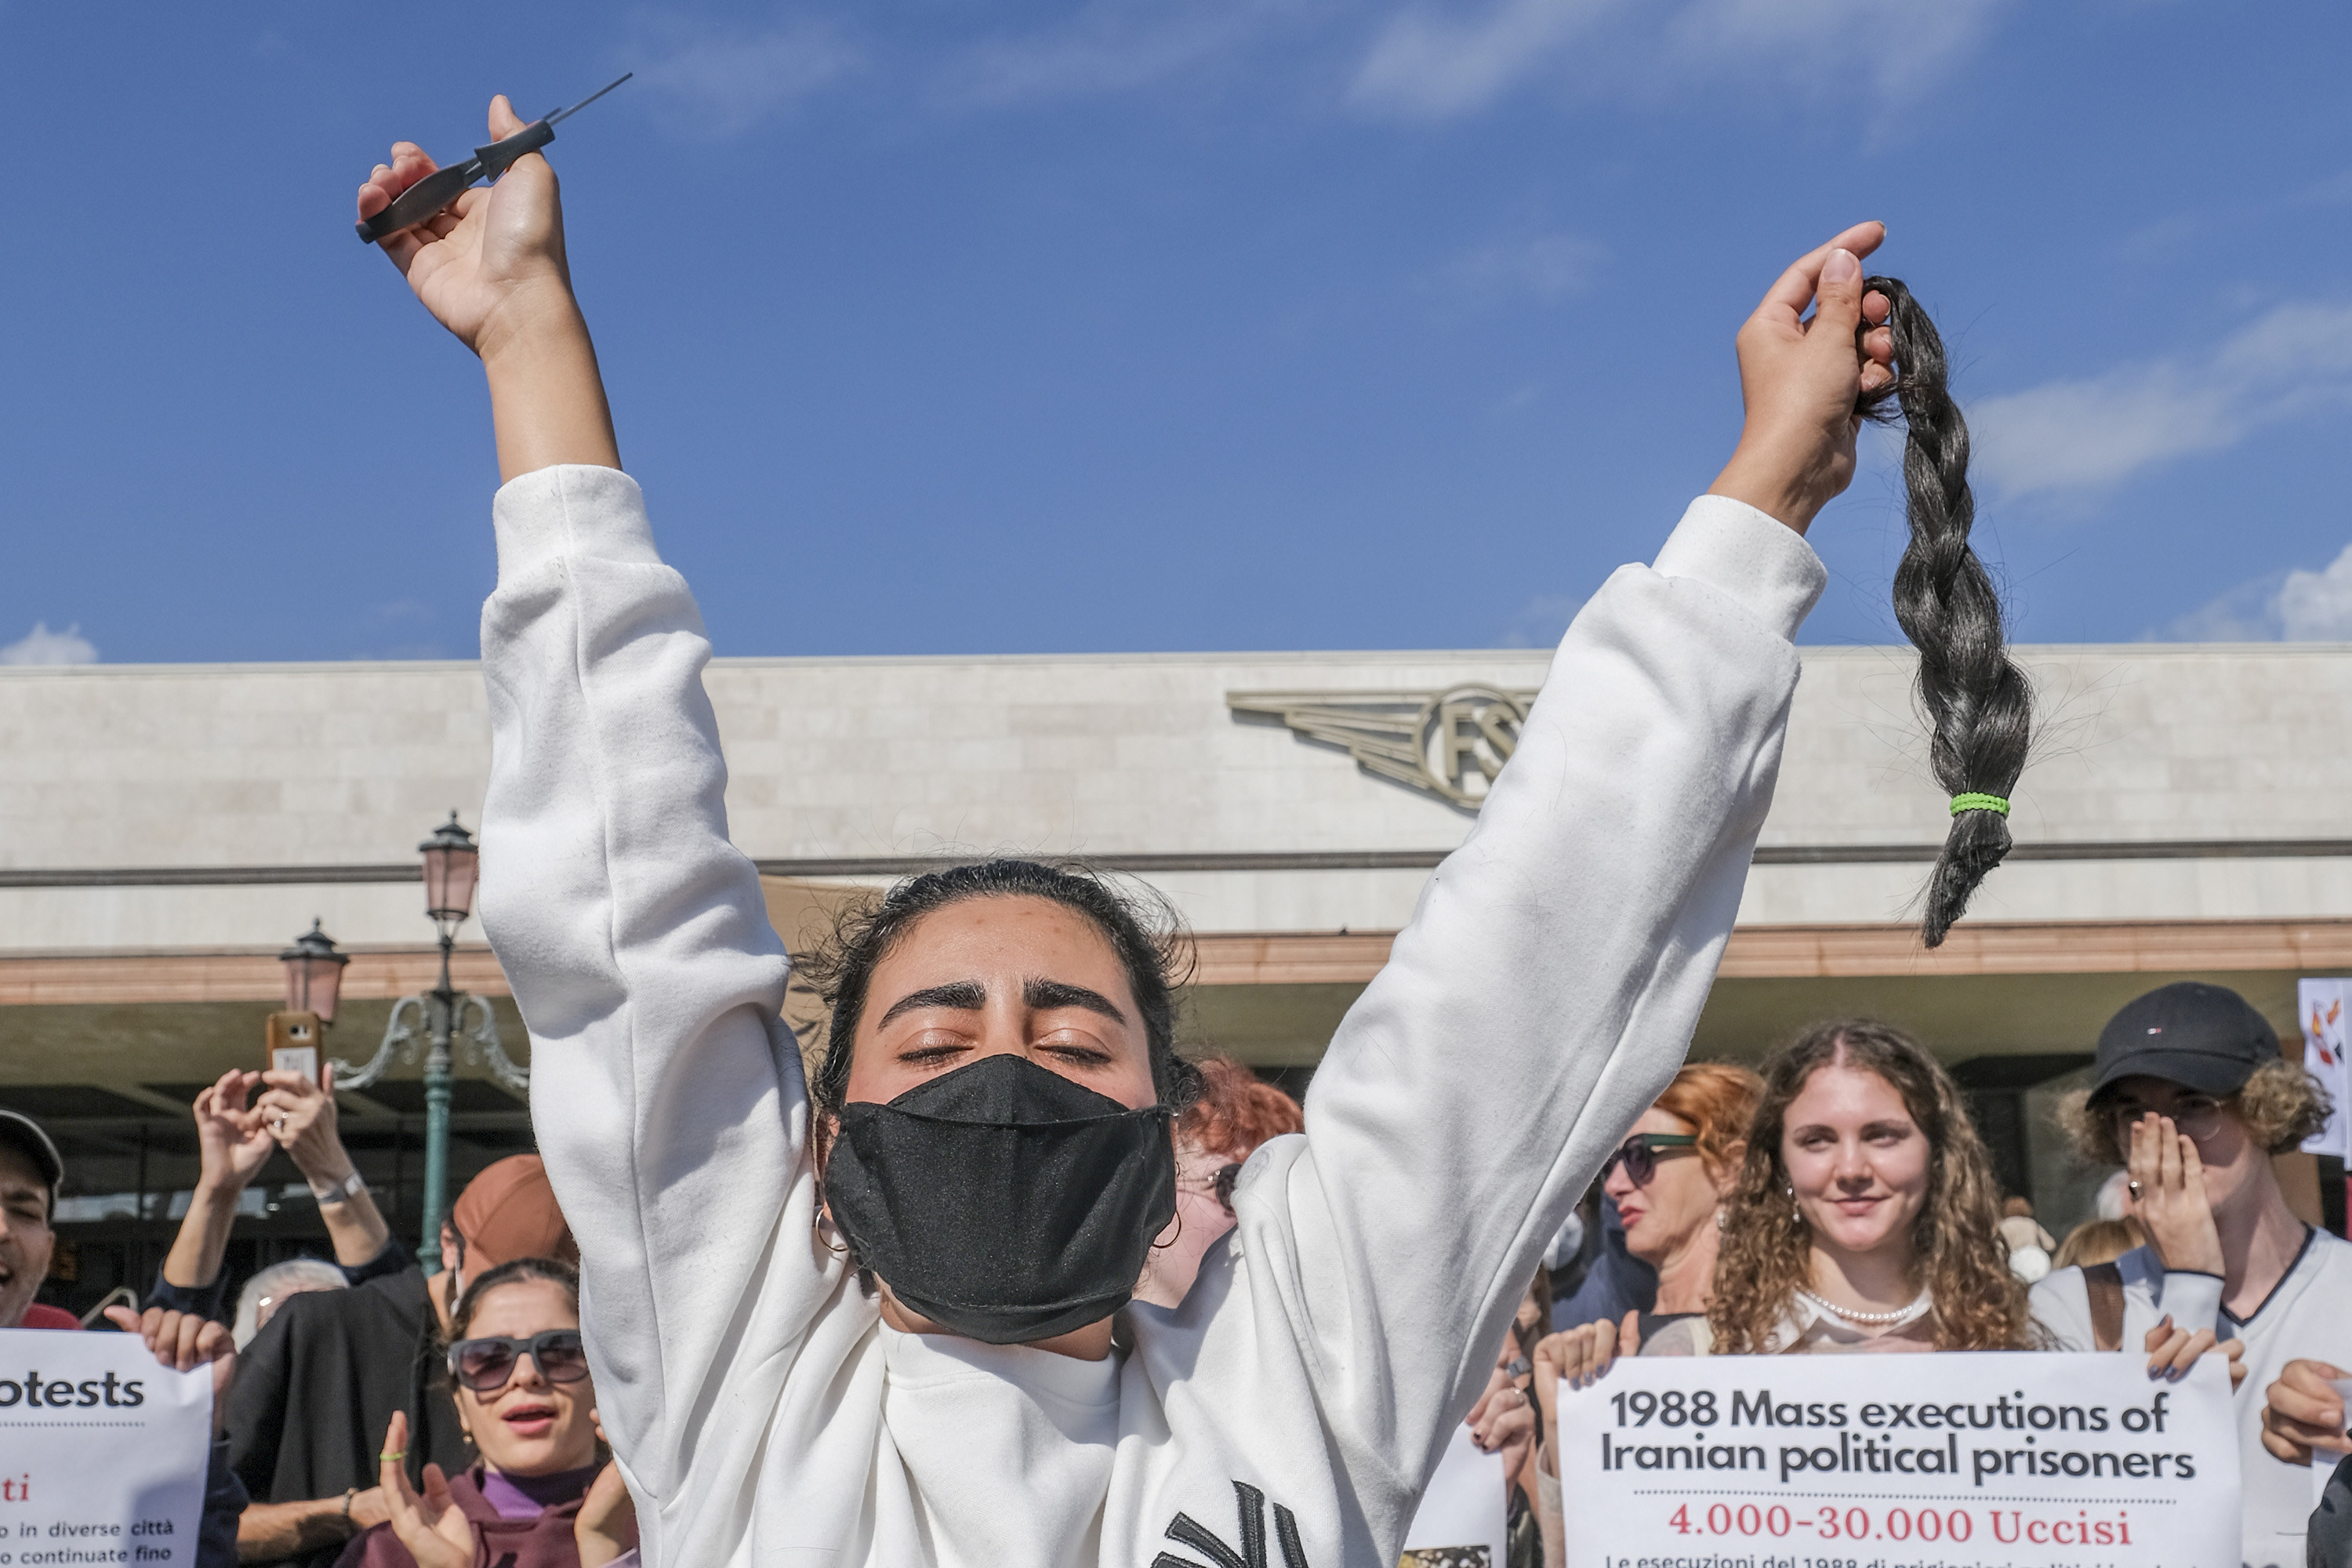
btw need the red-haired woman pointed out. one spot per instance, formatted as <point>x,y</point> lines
<point>1237,1111</point>
<point>1669,1179</point>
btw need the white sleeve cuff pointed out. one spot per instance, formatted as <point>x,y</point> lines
<point>2193,1300</point>
<point>1758,561</point>
<point>571,510</point>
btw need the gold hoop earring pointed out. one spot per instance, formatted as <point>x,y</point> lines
<point>821,1222</point>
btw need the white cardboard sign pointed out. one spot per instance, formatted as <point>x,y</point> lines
<point>102,1451</point>
<point>1899,1462</point>
<point>1463,1516</point>
<point>2323,1004</point>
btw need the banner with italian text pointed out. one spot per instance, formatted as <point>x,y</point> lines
<point>1956,1460</point>
<point>102,1451</point>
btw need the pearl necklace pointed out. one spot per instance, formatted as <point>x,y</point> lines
<point>1917,1309</point>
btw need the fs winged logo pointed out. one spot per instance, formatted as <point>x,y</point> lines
<point>1449,745</point>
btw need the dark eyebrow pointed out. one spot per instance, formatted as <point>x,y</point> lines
<point>1046,994</point>
<point>962,995</point>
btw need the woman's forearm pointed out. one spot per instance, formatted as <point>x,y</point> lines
<point>194,1260</point>
<point>356,1227</point>
<point>547,396</point>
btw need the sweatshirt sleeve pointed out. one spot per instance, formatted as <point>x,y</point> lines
<point>1547,985</point>
<point>2060,1303</point>
<point>666,1090</point>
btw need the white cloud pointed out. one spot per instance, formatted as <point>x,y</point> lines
<point>1434,62</point>
<point>42,645</point>
<point>2090,433</point>
<point>2316,606</point>
<point>2297,605</point>
<point>1428,65</point>
<point>1891,46</point>
<point>2247,613</point>
<point>720,84</point>
<point>1114,46</point>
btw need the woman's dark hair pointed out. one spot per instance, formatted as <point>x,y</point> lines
<point>1978,702</point>
<point>1141,927</point>
<point>1765,1257</point>
<point>515,1270</point>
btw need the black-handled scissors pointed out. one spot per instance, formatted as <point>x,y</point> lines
<point>439,188</point>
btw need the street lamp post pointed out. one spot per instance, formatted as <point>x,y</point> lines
<point>435,1019</point>
<point>314,973</point>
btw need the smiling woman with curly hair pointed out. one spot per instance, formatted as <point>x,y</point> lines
<point>1867,1216</point>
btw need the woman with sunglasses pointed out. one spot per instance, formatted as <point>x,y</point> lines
<point>1668,1180</point>
<point>528,1406</point>
<point>2190,1094</point>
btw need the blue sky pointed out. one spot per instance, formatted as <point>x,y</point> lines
<point>936,327</point>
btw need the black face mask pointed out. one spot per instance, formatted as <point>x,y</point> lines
<point>1001,1200</point>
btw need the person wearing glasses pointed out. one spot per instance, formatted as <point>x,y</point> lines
<point>315,1387</point>
<point>1668,1180</point>
<point>527,1407</point>
<point>2191,1095</point>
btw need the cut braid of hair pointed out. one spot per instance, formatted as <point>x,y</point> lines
<point>1978,702</point>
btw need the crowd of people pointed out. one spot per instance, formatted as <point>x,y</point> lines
<point>1843,1200</point>
<point>1840,1200</point>
<point>998,1275</point>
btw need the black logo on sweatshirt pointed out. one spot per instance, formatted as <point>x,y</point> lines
<point>1186,1531</point>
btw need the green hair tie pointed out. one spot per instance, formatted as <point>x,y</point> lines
<point>1962,803</point>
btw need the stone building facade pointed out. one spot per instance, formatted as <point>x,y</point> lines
<point>165,830</point>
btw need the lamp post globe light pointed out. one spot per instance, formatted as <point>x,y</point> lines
<point>434,1020</point>
<point>314,973</point>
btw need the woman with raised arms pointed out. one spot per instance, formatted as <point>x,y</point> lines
<point>882,1317</point>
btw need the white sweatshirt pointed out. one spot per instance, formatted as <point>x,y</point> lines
<point>1291,1408</point>
<point>2306,1315</point>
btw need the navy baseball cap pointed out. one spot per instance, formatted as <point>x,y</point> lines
<point>23,1133</point>
<point>2205,1038</point>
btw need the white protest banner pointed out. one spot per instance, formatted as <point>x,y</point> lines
<point>2321,1002</point>
<point>1463,1518</point>
<point>1899,1462</point>
<point>102,1451</point>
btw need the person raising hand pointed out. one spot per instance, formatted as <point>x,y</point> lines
<point>854,1310</point>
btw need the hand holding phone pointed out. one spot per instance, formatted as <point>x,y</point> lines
<point>299,1110</point>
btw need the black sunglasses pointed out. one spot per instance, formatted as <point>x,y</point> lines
<point>486,1365</point>
<point>1643,1152</point>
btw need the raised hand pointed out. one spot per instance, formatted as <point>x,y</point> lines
<point>492,270</point>
<point>486,264</point>
<point>298,1114</point>
<point>432,1526</point>
<point>1801,380</point>
<point>232,1144</point>
<point>2168,1187</point>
